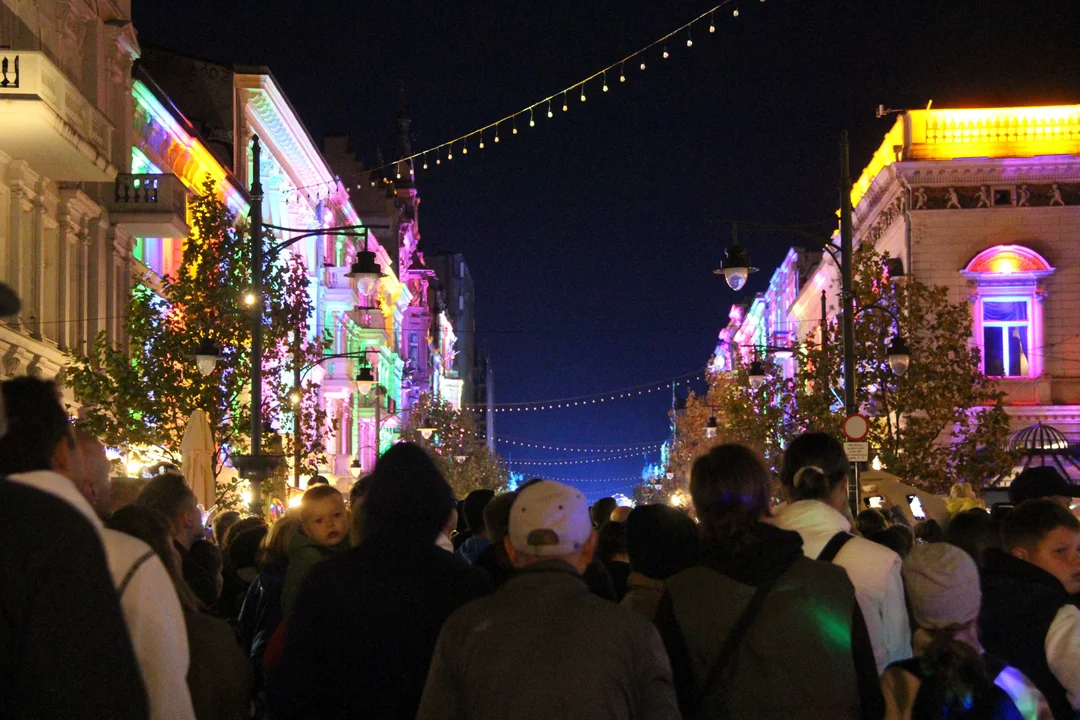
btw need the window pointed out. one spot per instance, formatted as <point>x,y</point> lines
<point>1006,336</point>
<point>414,349</point>
<point>1008,284</point>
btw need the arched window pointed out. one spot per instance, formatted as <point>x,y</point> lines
<point>1007,313</point>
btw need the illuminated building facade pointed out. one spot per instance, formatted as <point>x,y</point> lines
<point>102,143</point>
<point>65,139</point>
<point>985,202</point>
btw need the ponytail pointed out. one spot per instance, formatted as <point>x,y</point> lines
<point>957,675</point>
<point>814,464</point>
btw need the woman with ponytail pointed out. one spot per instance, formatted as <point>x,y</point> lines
<point>754,629</point>
<point>814,480</point>
<point>950,677</point>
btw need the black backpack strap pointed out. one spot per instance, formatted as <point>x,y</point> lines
<point>742,626</point>
<point>132,570</point>
<point>832,548</point>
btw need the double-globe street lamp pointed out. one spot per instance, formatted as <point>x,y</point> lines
<point>365,272</point>
<point>736,267</point>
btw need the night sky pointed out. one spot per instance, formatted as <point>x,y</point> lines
<point>592,237</point>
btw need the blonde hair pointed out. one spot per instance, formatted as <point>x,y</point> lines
<point>962,490</point>
<point>315,494</point>
<point>276,541</point>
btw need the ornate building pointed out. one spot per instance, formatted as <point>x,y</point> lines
<point>65,139</point>
<point>987,203</point>
<point>101,145</point>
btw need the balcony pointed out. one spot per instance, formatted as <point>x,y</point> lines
<point>49,124</point>
<point>149,206</point>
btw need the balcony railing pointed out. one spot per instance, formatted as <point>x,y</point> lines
<point>41,94</point>
<point>149,205</point>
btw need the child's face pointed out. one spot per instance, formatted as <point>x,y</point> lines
<point>1058,554</point>
<point>326,521</point>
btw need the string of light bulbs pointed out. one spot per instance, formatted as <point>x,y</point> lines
<point>588,461</point>
<point>561,98</point>
<point>575,481</point>
<point>581,448</point>
<point>596,398</point>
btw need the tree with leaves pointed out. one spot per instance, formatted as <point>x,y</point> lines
<point>141,393</point>
<point>941,422</point>
<point>460,453</point>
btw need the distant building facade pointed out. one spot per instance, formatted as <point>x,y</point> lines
<point>985,202</point>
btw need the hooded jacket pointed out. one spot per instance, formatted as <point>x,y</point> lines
<point>806,655</point>
<point>873,569</point>
<point>304,554</point>
<point>1020,604</point>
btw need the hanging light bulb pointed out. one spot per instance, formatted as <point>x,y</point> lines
<point>665,52</point>
<point>425,161</point>
<point>622,75</point>
<point>450,154</point>
<point>736,13</point>
<point>605,81</point>
<point>464,148</point>
<point>532,123</point>
<point>642,64</point>
<point>550,114</point>
<point>689,40</point>
<point>564,107</point>
<point>481,142</point>
<point>712,23</point>
<point>496,136</point>
<point>583,94</point>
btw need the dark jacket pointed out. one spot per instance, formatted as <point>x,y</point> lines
<point>544,646</point>
<point>912,692</point>
<point>806,655</point>
<point>261,612</point>
<point>198,580</point>
<point>361,636</point>
<point>1019,603</point>
<point>64,648</point>
<point>304,554</point>
<point>219,676</point>
<point>470,549</point>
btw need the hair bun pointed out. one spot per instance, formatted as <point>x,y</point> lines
<point>800,480</point>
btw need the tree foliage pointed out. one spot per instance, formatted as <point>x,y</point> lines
<point>142,392</point>
<point>941,422</point>
<point>460,453</point>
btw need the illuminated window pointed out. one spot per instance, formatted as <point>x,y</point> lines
<point>1007,314</point>
<point>1006,337</point>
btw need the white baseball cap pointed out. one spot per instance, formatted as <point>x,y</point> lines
<point>550,518</point>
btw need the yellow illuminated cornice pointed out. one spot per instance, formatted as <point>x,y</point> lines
<point>1014,132</point>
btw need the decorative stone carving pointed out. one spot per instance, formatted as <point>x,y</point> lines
<point>983,198</point>
<point>953,199</point>
<point>920,198</point>
<point>1055,195</point>
<point>1023,196</point>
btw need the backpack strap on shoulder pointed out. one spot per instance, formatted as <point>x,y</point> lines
<point>833,547</point>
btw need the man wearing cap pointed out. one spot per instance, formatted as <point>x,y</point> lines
<point>1043,482</point>
<point>543,646</point>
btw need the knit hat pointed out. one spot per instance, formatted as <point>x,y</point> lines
<point>943,586</point>
<point>549,518</point>
<point>407,492</point>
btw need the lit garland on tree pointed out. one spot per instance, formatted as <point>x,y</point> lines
<point>142,393</point>
<point>455,444</point>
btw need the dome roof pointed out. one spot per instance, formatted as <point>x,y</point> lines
<point>1039,439</point>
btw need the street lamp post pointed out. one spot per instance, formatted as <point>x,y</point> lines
<point>736,267</point>
<point>256,466</point>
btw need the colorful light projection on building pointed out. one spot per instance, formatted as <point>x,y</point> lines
<point>1008,260</point>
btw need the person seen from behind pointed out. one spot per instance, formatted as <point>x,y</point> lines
<point>77,473</point>
<point>601,511</point>
<point>170,495</point>
<point>1026,618</point>
<point>261,611</point>
<point>519,652</point>
<point>962,497</point>
<point>324,532</point>
<point>473,510</point>
<point>359,640</point>
<point>65,650</point>
<point>756,629</point>
<point>494,559</point>
<point>611,550</point>
<point>660,541</point>
<point>950,676</point>
<point>814,479</point>
<point>1042,482</point>
<point>219,677</point>
<point>973,531</point>
<point>221,524</point>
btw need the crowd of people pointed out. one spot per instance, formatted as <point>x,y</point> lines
<point>766,600</point>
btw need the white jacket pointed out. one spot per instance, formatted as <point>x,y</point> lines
<point>155,620</point>
<point>874,570</point>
